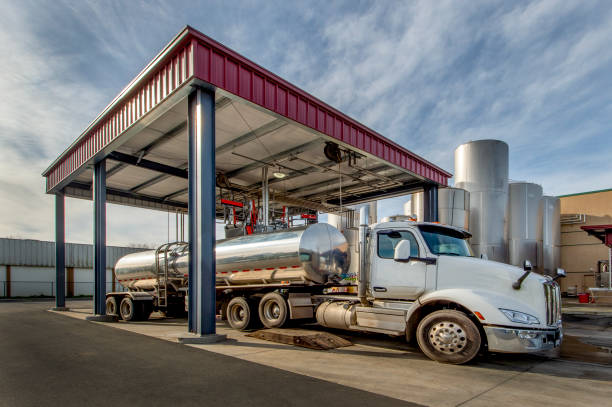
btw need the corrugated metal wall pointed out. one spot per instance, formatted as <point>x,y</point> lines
<point>37,253</point>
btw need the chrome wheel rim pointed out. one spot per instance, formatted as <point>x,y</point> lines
<point>447,337</point>
<point>272,311</point>
<point>237,313</point>
<point>126,309</point>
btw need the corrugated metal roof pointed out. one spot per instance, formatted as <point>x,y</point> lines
<point>38,253</point>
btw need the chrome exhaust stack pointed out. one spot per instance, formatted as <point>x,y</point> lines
<point>364,216</point>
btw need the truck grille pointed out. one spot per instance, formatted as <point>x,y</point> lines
<point>553,302</point>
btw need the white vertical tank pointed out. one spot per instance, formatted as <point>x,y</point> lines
<point>454,207</point>
<point>481,168</point>
<point>524,231</point>
<point>414,207</point>
<point>549,257</point>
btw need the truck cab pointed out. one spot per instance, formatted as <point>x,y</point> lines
<point>453,294</point>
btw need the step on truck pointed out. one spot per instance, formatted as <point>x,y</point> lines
<point>401,278</point>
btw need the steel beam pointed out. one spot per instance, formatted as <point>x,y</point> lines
<point>202,225</point>
<point>430,203</point>
<point>252,135</point>
<point>60,251</point>
<point>148,164</point>
<point>99,238</point>
<point>275,157</point>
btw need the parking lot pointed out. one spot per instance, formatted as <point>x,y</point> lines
<point>63,355</point>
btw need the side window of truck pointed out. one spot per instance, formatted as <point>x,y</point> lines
<point>388,240</point>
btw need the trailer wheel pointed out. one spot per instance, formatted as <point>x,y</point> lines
<point>449,336</point>
<point>240,313</point>
<point>273,310</point>
<point>112,306</point>
<point>127,309</point>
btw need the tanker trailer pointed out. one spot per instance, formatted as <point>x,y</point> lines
<point>314,256</point>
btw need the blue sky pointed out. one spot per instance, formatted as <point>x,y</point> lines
<point>427,74</point>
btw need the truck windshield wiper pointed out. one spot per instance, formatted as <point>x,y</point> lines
<point>451,254</point>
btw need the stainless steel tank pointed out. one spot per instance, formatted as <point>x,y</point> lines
<point>524,231</point>
<point>454,207</point>
<point>414,207</point>
<point>550,219</point>
<point>315,253</point>
<point>139,270</point>
<point>481,168</point>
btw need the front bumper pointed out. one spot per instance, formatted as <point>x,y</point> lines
<point>514,340</point>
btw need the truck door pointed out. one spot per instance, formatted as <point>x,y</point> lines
<point>391,279</point>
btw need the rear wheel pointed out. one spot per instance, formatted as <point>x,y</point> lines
<point>128,310</point>
<point>449,336</point>
<point>240,313</point>
<point>273,310</point>
<point>112,306</point>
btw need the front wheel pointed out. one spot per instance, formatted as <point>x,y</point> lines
<point>449,336</point>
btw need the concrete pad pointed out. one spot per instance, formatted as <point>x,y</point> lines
<point>193,339</point>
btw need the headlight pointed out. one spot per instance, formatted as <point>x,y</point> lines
<point>519,317</point>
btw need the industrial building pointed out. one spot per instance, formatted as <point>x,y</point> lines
<point>584,257</point>
<point>27,268</point>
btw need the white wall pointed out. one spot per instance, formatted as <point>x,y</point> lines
<point>30,281</point>
<point>34,281</point>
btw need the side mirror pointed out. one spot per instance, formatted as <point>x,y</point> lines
<point>560,273</point>
<point>527,265</point>
<point>402,251</point>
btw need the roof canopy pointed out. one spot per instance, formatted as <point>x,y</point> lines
<point>261,121</point>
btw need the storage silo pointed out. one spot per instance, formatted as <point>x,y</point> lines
<point>414,207</point>
<point>454,207</point>
<point>549,256</point>
<point>524,231</point>
<point>481,168</point>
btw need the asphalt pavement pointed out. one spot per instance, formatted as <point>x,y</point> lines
<point>47,359</point>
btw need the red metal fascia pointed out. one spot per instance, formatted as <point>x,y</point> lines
<point>216,64</point>
<point>156,82</point>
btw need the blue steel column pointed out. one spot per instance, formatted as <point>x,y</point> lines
<point>430,203</point>
<point>60,252</point>
<point>99,241</point>
<point>201,123</point>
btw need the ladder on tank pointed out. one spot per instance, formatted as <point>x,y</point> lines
<point>162,275</point>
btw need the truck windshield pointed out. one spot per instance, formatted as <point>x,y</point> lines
<point>441,240</point>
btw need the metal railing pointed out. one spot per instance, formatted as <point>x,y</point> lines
<point>47,288</point>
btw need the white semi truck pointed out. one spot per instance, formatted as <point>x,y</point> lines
<point>417,280</point>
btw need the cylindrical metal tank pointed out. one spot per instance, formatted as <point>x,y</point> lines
<point>315,253</point>
<point>481,168</point>
<point>454,207</point>
<point>550,219</point>
<point>524,233</point>
<point>414,207</point>
<point>350,217</point>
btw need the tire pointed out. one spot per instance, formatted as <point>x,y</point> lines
<point>449,336</point>
<point>112,306</point>
<point>273,310</point>
<point>128,310</point>
<point>240,314</point>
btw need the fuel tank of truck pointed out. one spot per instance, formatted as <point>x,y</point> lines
<point>313,254</point>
